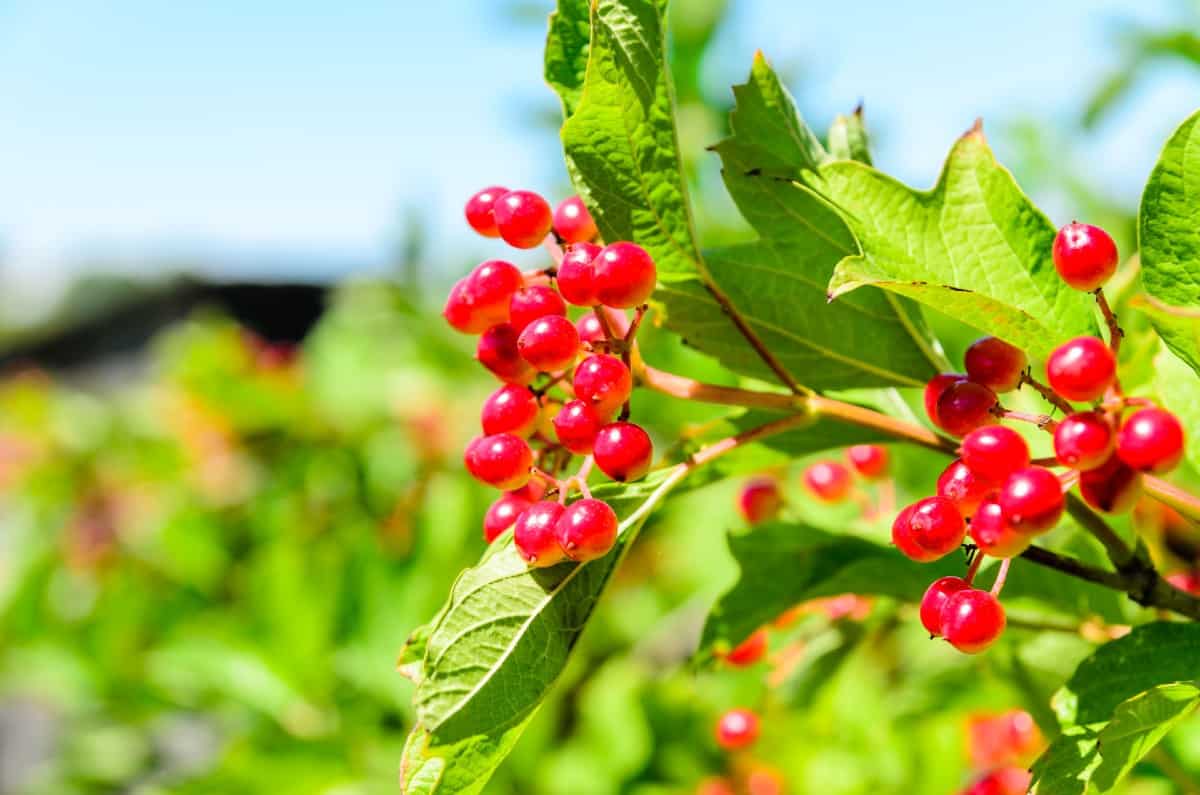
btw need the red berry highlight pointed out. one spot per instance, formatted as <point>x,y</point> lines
<point>749,651</point>
<point>523,218</point>
<point>1084,441</point>
<point>902,537</point>
<point>624,275</point>
<point>572,221</point>
<point>994,451</point>
<point>1151,440</point>
<point>935,598</point>
<point>604,383</point>
<point>972,620</point>
<point>587,530</point>
<point>576,426</point>
<point>995,364</point>
<point>550,343</point>
<point>1032,500</point>
<point>933,392</point>
<point>501,460</point>
<point>503,514</point>
<point>576,278</point>
<point>533,303</point>
<point>1112,487</point>
<point>828,481</point>
<point>993,534</point>
<point>1084,255</point>
<point>623,451</point>
<point>536,534</point>
<point>964,487</point>
<point>759,500</point>
<point>1081,369</point>
<point>868,460</point>
<point>965,406</point>
<point>589,328</point>
<point>510,409</point>
<point>497,351</point>
<point>936,526</point>
<point>480,299</point>
<point>479,210</point>
<point>737,729</point>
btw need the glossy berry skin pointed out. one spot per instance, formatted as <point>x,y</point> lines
<point>604,383</point>
<point>576,426</point>
<point>933,391</point>
<point>1081,369</point>
<point>481,299</point>
<point>992,533</point>
<point>828,481</point>
<point>759,500</point>
<point>1032,500</point>
<point>572,221</point>
<point>576,278</point>
<point>500,460</point>
<point>536,534</point>
<point>550,343</point>
<point>587,530</point>
<point>497,351</point>
<point>964,487</point>
<point>994,451</point>
<point>510,409</point>
<point>965,406</point>
<point>869,460</point>
<point>737,729</point>
<point>995,364</point>
<point>902,537</point>
<point>533,303</point>
<point>1084,441</point>
<point>1084,255</point>
<point>459,312</point>
<point>936,526</point>
<point>479,210</point>
<point>589,328</point>
<point>503,514</point>
<point>1112,487</point>
<point>523,218</point>
<point>624,274</point>
<point>1151,440</point>
<point>935,598</point>
<point>749,651</point>
<point>972,620</point>
<point>623,451</point>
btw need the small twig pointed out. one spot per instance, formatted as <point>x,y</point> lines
<point>1048,394</point>
<point>1001,576</point>
<point>755,341</point>
<point>1115,332</point>
<point>552,246</point>
<point>1186,503</point>
<point>1043,421</point>
<point>973,569</point>
<point>1117,550</point>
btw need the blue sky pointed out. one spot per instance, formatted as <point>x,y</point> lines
<point>257,134</point>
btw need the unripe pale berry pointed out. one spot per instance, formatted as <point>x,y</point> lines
<point>1032,500</point>
<point>1151,440</point>
<point>501,460</point>
<point>533,303</point>
<point>479,210</point>
<point>1084,255</point>
<point>1081,369</point>
<point>503,514</point>
<point>1084,441</point>
<point>933,391</point>
<point>510,409</point>
<point>624,274</point>
<point>936,526</point>
<point>737,729</point>
<point>936,595</point>
<point>994,363</point>
<point>576,278</point>
<point>587,530</point>
<point>828,481</point>
<point>759,500</point>
<point>868,460</point>
<point>994,451</point>
<point>765,782</point>
<point>623,451</point>
<point>550,343</point>
<point>972,620</point>
<point>576,426</point>
<point>902,537</point>
<point>497,351</point>
<point>993,534</point>
<point>536,534</point>
<point>749,651</point>
<point>964,487</point>
<point>523,218</point>
<point>572,221</point>
<point>715,786</point>
<point>604,383</point>
<point>965,406</point>
<point>1112,487</point>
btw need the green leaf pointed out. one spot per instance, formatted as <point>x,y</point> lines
<point>848,138</point>
<point>567,51</point>
<point>1178,326</point>
<point>1179,389</point>
<point>974,247</point>
<point>824,656</point>
<point>461,768</point>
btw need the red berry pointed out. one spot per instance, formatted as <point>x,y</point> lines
<point>759,500</point>
<point>715,786</point>
<point>1186,581</point>
<point>828,481</point>
<point>965,406</point>
<point>550,343</point>
<point>1032,500</point>
<point>533,303</point>
<point>503,514</point>
<point>576,426</point>
<point>869,460</point>
<point>533,491</point>
<point>587,530</point>
<point>623,451</point>
<point>501,460</point>
<point>1005,781</point>
<point>576,277</point>
<point>935,599</point>
<point>737,728</point>
<point>523,218</point>
<point>603,382</point>
<point>972,620</point>
<point>933,392</point>
<point>536,534</point>
<point>479,210</point>
<point>994,451</point>
<point>1084,255</point>
<point>992,533</point>
<point>1151,440</point>
<point>589,328</point>
<point>764,782</point>
<point>902,537</point>
<point>573,222</point>
<point>936,526</point>
<point>1112,487</point>
<point>1081,369</point>
<point>1083,441</point>
<point>498,352</point>
<point>458,310</point>
<point>624,275</point>
<point>749,651</point>
<point>510,409</point>
<point>964,487</point>
<point>480,299</point>
<point>995,364</point>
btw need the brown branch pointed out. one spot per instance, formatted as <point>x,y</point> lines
<point>689,389</point>
<point>1115,332</point>
<point>1048,394</point>
<point>822,406</point>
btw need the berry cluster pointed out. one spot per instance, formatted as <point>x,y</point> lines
<point>566,384</point>
<point>1001,746</point>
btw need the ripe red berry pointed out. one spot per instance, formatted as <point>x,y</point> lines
<point>589,328</point>
<point>503,514</point>
<point>869,460</point>
<point>972,620</point>
<point>995,364</point>
<point>965,406</point>
<point>1005,781</point>
<point>828,481</point>
<point>536,534</point>
<point>587,530</point>
<point>523,218</point>
<point>993,534</point>
<point>736,729</point>
<point>1032,500</point>
<point>902,537</point>
<point>1112,487</point>
<point>573,222</point>
<point>550,343</point>
<point>533,303</point>
<point>576,277</point>
<point>1081,369</point>
<point>933,392</point>
<point>994,451</point>
<point>623,451</point>
<point>765,782</point>
<point>624,275</point>
<point>510,409</point>
<point>533,491</point>
<point>759,500</point>
<point>498,352</point>
<point>935,599</point>
<point>458,310</point>
<point>936,526</point>
<point>480,299</point>
<point>749,651</point>
<point>501,460</point>
<point>576,426</point>
<point>479,210</point>
<point>1186,581</point>
<point>604,383</point>
<point>1151,440</point>
<point>1084,255</point>
<point>964,487</point>
<point>1084,441</point>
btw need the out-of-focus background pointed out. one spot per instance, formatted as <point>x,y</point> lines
<point>230,425</point>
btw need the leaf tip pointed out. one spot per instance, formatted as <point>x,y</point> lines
<point>976,131</point>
